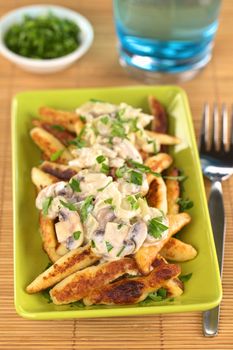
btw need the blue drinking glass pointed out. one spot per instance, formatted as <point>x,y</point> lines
<point>165,40</point>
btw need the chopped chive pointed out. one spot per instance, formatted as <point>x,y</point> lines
<point>46,204</point>
<point>56,155</point>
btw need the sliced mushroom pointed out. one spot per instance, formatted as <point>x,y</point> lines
<point>69,228</point>
<point>126,150</point>
<point>104,216</point>
<point>138,234</point>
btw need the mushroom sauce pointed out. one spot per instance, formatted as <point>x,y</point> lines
<point>104,203</point>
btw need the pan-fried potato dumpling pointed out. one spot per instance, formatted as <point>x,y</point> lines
<point>41,179</point>
<point>176,250</point>
<point>69,120</point>
<point>75,260</point>
<point>51,146</point>
<point>157,163</point>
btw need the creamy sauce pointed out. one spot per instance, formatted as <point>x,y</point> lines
<point>103,203</point>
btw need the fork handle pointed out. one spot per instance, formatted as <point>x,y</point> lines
<point>217,217</point>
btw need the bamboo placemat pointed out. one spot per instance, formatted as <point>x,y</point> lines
<point>100,68</point>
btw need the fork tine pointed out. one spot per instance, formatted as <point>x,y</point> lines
<point>231,137</point>
<point>224,130</point>
<point>215,122</point>
<point>204,128</point>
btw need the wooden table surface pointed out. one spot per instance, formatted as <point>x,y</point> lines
<point>100,68</point>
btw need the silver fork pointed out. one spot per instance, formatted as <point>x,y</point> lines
<point>217,165</point>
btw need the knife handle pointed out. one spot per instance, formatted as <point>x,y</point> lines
<point>217,217</point>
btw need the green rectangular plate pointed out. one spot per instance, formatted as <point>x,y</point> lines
<point>202,291</point>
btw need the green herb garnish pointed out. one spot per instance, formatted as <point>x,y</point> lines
<point>58,127</point>
<point>184,204</point>
<point>75,185</point>
<point>46,204</point>
<point>136,177</point>
<point>109,246</point>
<point>86,208</point>
<point>120,251</point>
<point>100,159</point>
<point>46,295</point>
<point>121,171</point>
<point>108,201</point>
<point>118,129</point>
<point>104,120</point>
<point>83,118</point>
<point>162,292</point>
<point>56,155</point>
<point>185,278</point>
<point>96,100</point>
<point>78,141</point>
<point>43,37</point>
<point>93,244</point>
<point>156,228</point>
<point>77,234</point>
<point>69,206</point>
<point>104,168</point>
<point>143,168</point>
<point>133,202</point>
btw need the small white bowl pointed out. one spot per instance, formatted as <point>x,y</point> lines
<point>44,66</point>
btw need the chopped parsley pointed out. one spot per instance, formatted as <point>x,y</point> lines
<point>68,205</point>
<point>178,178</point>
<point>121,171</point>
<point>133,202</point>
<point>185,278</point>
<point>104,168</point>
<point>46,204</point>
<point>159,295</point>
<point>77,234</point>
<point>133,126</point>
<point>104,120</point>
<point>143,168</point>
<point>136,177</point>
<point>56,155</point>
<point>82,118</point>
<point>86,208</point>
<point>119,226</point>
<point>156,228</point>
<point>78,141</point>
<point>109,246</point>
<point>184,204</point>
<point>108,201</point>
<point>75,185</point>
<point>96,100</point>
<point>120,251</point>
<point>46,295</point>
<point>100,159</point>
<point>118,129</point>
<point>58,127</point>
<point>93,244</point>
<point>155,147</point>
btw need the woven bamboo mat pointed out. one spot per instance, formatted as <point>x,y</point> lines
<point>100,68</point>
